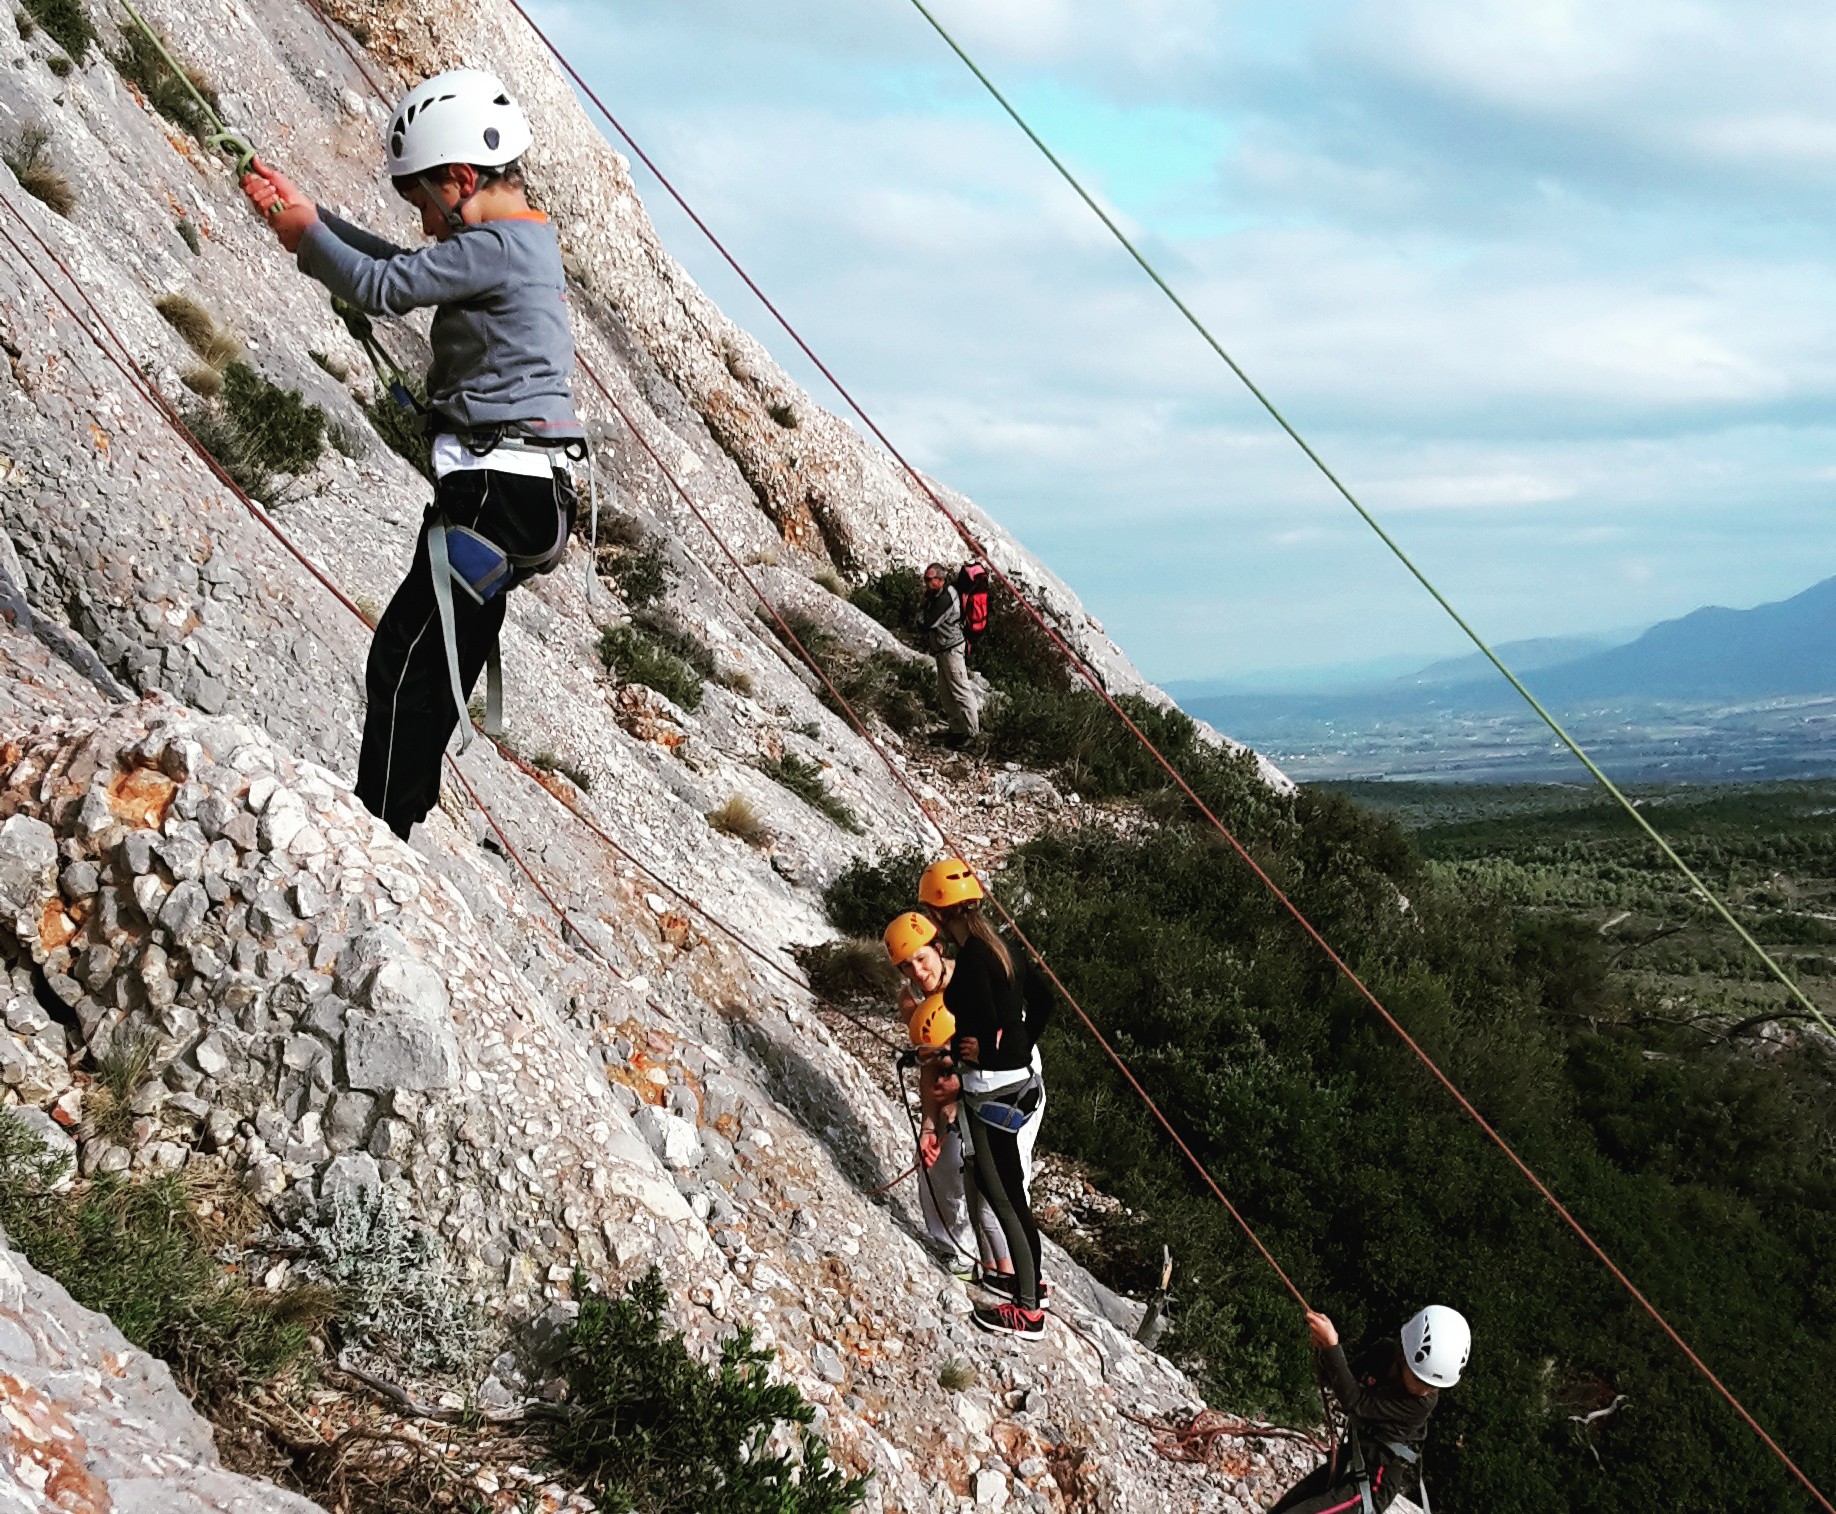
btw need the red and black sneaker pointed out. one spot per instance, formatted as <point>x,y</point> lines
<point>1010,1319</point>
<point>1003,1284</point>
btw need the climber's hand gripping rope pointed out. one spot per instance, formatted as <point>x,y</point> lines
<point>289,209</point>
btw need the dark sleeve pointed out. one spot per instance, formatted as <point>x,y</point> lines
<point>366,242</point>
<point>1385,1407</point>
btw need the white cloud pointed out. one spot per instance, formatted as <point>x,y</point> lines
<point>1542,280</point>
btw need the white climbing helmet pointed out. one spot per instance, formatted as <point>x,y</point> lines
<point>462,116</point>
<point>1436,1344</point>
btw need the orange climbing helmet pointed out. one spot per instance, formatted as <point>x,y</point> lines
<point>932,1024</point>
<point>908,935</point>
<point>949,881</point>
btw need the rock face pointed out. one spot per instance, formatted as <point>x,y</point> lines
<point>549,1048</point>
<point>89,1425</point>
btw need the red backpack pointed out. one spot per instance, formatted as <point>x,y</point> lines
<point>972,590</point>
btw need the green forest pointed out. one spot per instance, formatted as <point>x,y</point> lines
<point>1575,990</point>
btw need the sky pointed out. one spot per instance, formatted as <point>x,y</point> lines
<point>1548,284</point>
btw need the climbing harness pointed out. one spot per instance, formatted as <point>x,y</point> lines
<point>482,569</point>
<point>1010,1108</point>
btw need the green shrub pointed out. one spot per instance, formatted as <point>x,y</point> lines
<point>394,1289</point>
<point>1014,653</point>
<point>901,692</point>
<point>287,433</point>
<point>65,22</point>
<point>60,66</point>
<point>637,656</point>
<point>28,155</point>
<point>139,63</point>
<point>893,598</point>
<point>650,1430</point>
<point>135,1252</point>
<point>260,429</point>
<point>804,779</point>
<point>865,895</point>
<point>644,573</point>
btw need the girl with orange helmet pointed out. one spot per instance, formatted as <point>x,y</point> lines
<point>1001,1084</point>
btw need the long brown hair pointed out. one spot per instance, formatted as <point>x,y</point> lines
<point>970,913</point>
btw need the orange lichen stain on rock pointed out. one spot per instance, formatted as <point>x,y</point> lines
<point>100,437</point>
<point>55,928</point>
<point>42,1450</point>
<point>139,797</point>
<point>675,930</point>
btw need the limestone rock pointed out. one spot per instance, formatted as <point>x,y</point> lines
<point>93,1424</point>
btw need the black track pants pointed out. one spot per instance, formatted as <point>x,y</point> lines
<point>1001,1178</point>
<point>410,717</point>
<point>1319,1493</point>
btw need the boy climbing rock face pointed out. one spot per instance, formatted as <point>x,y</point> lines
<point>500,411</point>
<point>1388,1395</point>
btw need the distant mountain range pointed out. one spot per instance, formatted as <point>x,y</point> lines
<point>1711,654</point>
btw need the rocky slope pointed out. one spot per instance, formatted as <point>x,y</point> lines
<point>595,1072</point>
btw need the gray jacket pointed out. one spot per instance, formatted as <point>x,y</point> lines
<point>502,350</point>
<point>941,619</point>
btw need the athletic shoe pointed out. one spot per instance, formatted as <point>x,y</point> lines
<point>1003,1284</point>
<point>1010,1319</point>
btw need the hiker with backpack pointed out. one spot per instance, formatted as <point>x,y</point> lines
<point>994,1052</point>
<point>500,413</point>
<point>1387,1396</point>
<point>946,638</point>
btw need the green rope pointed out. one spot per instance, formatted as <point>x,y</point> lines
<point>1370,520</point>
<point>224,138</point>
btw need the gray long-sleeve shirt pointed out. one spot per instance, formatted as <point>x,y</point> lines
<point>502,349</point>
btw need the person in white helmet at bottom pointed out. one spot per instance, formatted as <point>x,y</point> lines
<point>1388,1395</point>
<point>500,407</point>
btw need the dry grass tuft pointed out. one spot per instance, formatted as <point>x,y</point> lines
<point>828,578</point>
<point>851,969</point>
<point>199,330</point>
<point>738,818</point>
<point>28,155</point>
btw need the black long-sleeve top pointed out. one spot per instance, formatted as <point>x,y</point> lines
<point>989,1006</point>
<point>1373,1393</point>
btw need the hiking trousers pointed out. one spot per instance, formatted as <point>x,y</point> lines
<point>410,715</point>
<point>1000,1180</point>
<point>955,693</point>
<point>1320,1493</point>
